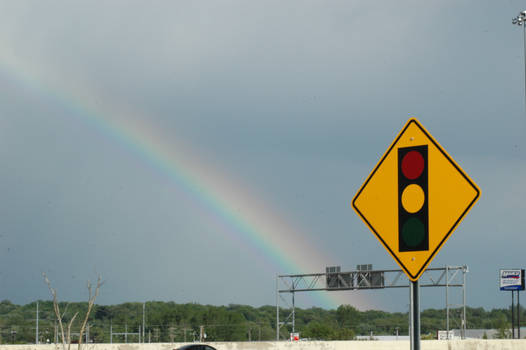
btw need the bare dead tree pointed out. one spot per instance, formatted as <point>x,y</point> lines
<point>91,301</point>
<point>92,296</point>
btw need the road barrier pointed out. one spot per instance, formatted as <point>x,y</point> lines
<point>468,344</point>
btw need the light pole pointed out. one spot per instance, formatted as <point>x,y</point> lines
<point>520,21</point>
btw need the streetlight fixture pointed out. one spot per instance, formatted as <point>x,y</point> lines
<point>520,20</point>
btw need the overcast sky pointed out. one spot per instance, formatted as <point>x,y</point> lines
<point>192,150</point>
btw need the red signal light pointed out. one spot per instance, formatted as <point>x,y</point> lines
<point>413,165</point>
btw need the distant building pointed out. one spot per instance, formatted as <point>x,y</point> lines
<point>470,333</point>
<point>383,337</point>
<point>490,333</point>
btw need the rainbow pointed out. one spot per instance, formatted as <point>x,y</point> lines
<point>257,226</point>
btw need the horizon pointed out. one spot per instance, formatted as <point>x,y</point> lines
<point>139,303</point>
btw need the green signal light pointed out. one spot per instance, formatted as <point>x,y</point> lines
<point>413,232</point>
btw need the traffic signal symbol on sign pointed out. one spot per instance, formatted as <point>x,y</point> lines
<point>414,198</point>
<point>413,214</point>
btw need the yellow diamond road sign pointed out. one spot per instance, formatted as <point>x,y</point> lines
<point>415,198</point>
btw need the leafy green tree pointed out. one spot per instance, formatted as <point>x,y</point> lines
<point>319,331</point>
<point>347,316</point>
<point>503,332</point>
<point>345,334</point>
<point>169,321</point>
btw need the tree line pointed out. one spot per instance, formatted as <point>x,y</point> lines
<point>172,322</point>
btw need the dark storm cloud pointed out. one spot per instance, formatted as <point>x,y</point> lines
<point>299,99</point>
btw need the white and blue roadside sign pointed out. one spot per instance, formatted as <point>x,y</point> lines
<point>512,279</point>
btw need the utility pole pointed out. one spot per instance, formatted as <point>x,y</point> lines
<point>171,333</point>
<point>36,333</point>
<point>447,301</point>
<point>277,308</point>
<point>293,312</point>
<point>143,312</point>
<point>184,331</point>
<point>464,323</point>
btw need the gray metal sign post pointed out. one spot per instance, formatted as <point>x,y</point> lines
<point>512,316</point>
<point>518,316</point>
<point>415,316</point>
